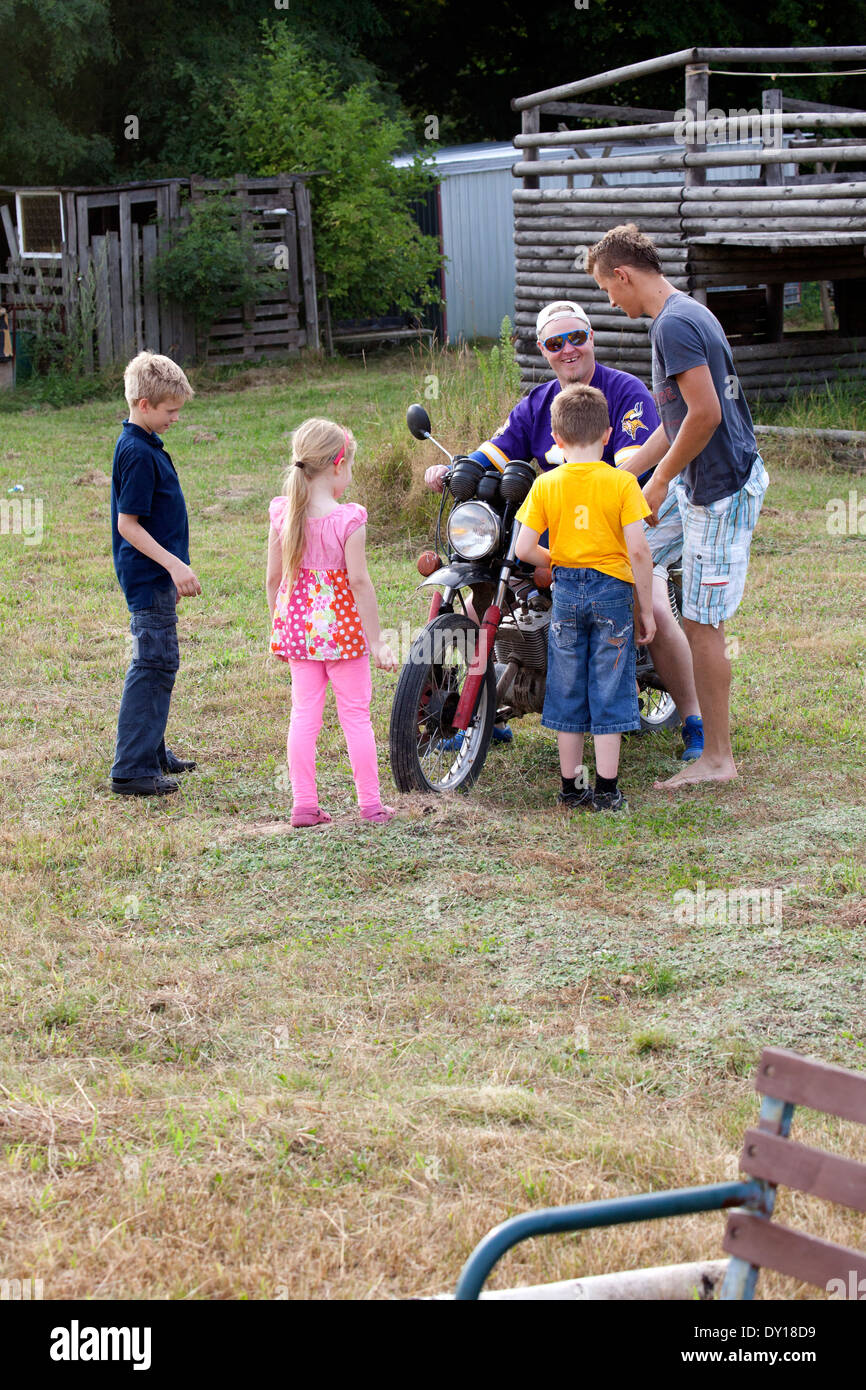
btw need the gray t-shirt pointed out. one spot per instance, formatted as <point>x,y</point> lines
<point>686,334</point>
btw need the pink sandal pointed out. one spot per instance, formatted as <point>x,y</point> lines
<point>309,816</point>
<point>380,816</point>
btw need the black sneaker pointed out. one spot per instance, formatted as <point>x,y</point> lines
<point>143,786</point>
<point>175,765</point>
<point>578,800</point>
<point>609,801</point>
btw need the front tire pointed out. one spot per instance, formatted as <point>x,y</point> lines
<point>657,710</point>
<point>425,702</point>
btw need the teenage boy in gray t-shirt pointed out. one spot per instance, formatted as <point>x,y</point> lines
<point>706,442</point>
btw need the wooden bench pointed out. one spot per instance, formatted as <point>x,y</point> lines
<point>770,1159</point>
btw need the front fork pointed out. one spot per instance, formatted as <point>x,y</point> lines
<point>486,638</point>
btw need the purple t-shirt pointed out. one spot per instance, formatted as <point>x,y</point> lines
<point>526,433</point>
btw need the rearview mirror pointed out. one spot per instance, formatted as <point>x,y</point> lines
<point>418,421</point>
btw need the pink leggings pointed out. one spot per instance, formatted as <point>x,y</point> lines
<point>353,687</point>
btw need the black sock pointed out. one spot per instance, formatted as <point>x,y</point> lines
<point>604,784</point>
<point>568,785</point>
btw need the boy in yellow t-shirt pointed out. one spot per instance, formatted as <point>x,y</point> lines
<point>599,556</point>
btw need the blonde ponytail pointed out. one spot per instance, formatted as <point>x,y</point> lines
<point>316,446</point>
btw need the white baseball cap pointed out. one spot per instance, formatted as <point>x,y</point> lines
<point>559,309</point>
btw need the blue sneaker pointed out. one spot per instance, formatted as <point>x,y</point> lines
<point>693,738</point>
<point>501,734</point>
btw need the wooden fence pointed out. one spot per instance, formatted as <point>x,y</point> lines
<point>103,277</point>
<point>733,245</point>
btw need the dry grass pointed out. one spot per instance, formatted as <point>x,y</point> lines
<point>242,1062</point>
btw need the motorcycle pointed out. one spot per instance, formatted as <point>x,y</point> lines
<point>464,672</point>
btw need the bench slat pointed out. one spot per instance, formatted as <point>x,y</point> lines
<point>817,1085</point>
<point>808,1258</point>
<point>787,1164</point>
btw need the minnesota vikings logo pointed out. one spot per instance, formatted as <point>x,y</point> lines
<point>632,421</point>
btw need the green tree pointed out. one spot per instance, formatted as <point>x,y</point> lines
<point>292,116</point>
<point>51,109</point>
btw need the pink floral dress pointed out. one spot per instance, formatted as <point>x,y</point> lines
<point>318,620</point>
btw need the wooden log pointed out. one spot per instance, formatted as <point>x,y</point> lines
<point>796,104</point>
<point>816,345</point>
<point>531,125</point>
<point>718,158</point>
<point>719,279</point>
<point>151,305</point>
<point>783,268</point>
<point>710,227</point>
<point>774,178</point>
<point>566,216</point>
<point>810,208</point>
<point>794,432</point>
<point>606,79</point>
<point>822,362</point>
<point>755,192</point>
<point>618,323</point>
<point>593,228</point>
<point>835,53</point>
<point>629,193</point>
<point>571,261</point>
<point>692,132</point>
<point>594,112</point>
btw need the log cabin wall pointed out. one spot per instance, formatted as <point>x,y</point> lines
<point>733,243</point>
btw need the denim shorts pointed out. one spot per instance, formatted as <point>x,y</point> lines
<point>716,545</point>
<point>591,655</point>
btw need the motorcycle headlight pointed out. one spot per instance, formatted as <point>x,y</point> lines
<point>473,530</point>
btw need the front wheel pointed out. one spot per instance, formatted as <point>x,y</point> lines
<point>657,710</point>
<point>427,752</point>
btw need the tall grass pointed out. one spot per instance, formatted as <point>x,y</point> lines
<point>468,393</point>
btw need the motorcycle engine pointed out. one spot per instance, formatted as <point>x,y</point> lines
<point>523,639</point>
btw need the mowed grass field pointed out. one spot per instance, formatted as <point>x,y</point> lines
<point>238,1061</point>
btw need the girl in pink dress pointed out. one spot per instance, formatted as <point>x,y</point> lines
<point>324,614</point>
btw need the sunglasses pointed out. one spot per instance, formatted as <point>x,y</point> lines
<point>577,337</point>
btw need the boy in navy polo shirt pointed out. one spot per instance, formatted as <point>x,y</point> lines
<point>150,543</point>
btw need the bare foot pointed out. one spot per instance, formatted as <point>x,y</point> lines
<point>701,770</point>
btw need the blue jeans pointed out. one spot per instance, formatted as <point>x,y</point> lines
<point>591,655</point>
<point>147,689</point>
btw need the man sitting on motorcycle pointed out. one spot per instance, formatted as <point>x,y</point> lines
<point>565,341</point>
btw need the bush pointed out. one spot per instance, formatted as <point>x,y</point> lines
<point>213,263</point>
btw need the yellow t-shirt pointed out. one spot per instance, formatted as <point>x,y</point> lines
<point>585,507</point>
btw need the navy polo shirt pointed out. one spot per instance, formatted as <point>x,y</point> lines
<point>144,483</point>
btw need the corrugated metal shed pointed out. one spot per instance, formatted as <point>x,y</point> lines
<point>477,226</point>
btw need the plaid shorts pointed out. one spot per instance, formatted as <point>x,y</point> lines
<point>716,543</point>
